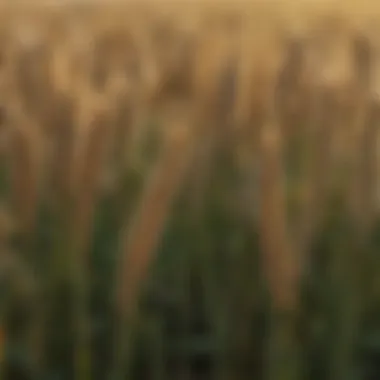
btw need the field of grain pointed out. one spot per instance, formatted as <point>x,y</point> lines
<point>190,190</point>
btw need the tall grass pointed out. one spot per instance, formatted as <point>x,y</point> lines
<point>193,191</point>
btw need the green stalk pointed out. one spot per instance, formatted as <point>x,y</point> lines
<point>345,313</point>
<point>158,360</point>
<point>82,332</point>
<point>3,338</point>
<point>283,360</point>
<point>123,349</point>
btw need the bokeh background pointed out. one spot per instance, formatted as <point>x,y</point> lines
<point>190,190</point>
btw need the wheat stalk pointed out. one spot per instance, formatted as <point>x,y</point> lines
<point>140,242</point>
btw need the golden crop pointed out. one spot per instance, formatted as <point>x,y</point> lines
<point>80,83</point>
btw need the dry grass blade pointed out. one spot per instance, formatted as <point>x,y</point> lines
<point>362,195</point>
<point>280,261</point>
<point>140,243</point>
<point>90,164</point>
<point>25,154</point>
<point>62,138</point>
<point>279,258</point>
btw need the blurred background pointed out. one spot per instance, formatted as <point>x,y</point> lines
<point>190,191</point>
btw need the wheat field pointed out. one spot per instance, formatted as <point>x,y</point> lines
<point>190,190</point>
